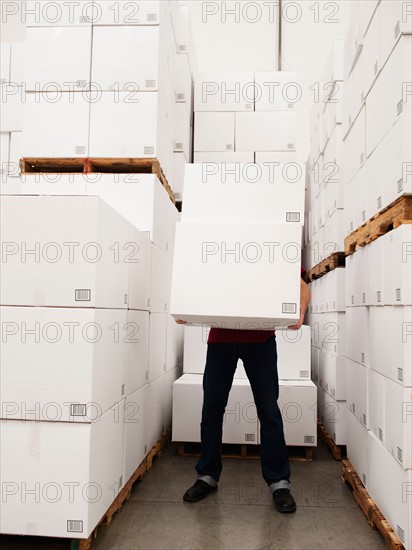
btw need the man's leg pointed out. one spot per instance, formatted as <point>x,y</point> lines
<point>260,362</point>
<point>220,368</point>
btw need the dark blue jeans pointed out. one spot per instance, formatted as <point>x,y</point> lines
<point>260,362</point>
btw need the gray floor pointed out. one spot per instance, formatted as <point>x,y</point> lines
<point>240,515</point>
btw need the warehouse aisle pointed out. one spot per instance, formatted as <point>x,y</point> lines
<point>239,516</point>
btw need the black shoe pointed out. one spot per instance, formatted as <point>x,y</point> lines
<point>198,491</point>
<point>284,501</point>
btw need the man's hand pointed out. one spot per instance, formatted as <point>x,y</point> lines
<point>180,322</point>
<point>304,302</point>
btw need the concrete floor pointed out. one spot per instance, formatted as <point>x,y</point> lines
<point>240,515</point>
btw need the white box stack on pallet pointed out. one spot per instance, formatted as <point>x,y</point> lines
<point>255,114</point>
<point>378,117</point>
<point>224,242</point>
<point>124,92</point>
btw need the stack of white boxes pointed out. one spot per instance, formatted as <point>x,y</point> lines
<point>246,117</point>
<point>117,82</point>
<point>12,96</point>
<point>223,246</point>
<point>376,338</point>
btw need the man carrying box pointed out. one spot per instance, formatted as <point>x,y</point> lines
<point>257,349</point>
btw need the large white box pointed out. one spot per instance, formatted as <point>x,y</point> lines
<point>60,477</point>
<point>135,419</point>
<point>394,21</point>
<point>60,13</point>
<point>397,266</point>
<point>396,161</point>
<point>276,91</point>
<point>390,336</point>
<point>157,345</point>
<point>374,265</point>
<point>136,337</point>
<point>281,157</point>
<point>377,405</point>
<point>394,498</point>
<point>375,183</point>
<point>113,66</point>
<point>356,271</point>
<point>398,422</point>
<point>138,253</point>
<point>389,98</point>
<point>354,147</point>
<point>357,326</point>
<point>266,131</point>
<point>12,101</point>
<point>124,12</point>
<point>357,391</point>
<point>56,124</point>
<point>154,424</point>
<point>182,133</point>
<point>234,257</point>
<point>134,125</point>
<point>58,58</point>
<point>297,404</point>
<point>142,200</point>
<point>278,192</point>
<point>226,91</point>
<point>357,446</point>
<point>335,376</point>
<point>183,83</point>
<point>215,132</point>
<point>217,157</point>
<point>333,414</point>
<point>76,265</point>
<point>334,234</point>
<point>333,172</point>
<point>62,364</point>
<point>160,280</point>
<point>240,420</point>
<point>179,166</point>
<point>167,401</point>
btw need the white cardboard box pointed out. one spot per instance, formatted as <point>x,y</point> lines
<point>390,334</point>
<point>374,182</point>
<point>135,420</point>
<point>225,91</point>
<point>160,280</point>
<point>157,345</point>
<point>142,200</point>
<point>58,58</point>
<point>167,400</point>
<point>356,278</point>
<point>138,253</point>
<point>155,426</point>
<point>393,499</point>
<point>357,446</point>
<point>56,125</point>
<point>240,420</point>
<point>75,266</point>
<point>374,279</point>
<point>357,391</point>
<point>354,147</point>
<point>182,133</point>
<point>276,91</point>
<point>216,256</point>
<point>179,166</point>
<point>266,131</point>
<point>397,266</point>
<point>217,157</point>
<point>278,193</point>
<point>183,82</point>
<point>357,325</point>
<point>62,364</point>
<point>398,423</point>
<point>377,405</point>
<point>136,337</point>
<point>332,414</point>
<point>214,131</point>
<point>60,13</point>
<point>127,57</point>
<point>334,378</point>
<point>45,480</point>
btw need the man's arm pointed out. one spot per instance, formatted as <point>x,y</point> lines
<point>304,302</point>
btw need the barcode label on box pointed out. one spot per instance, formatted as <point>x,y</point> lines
<point>84,19</point>
<point>180,98</point>
<point>400,458</point>
<point>379,296</point>
<point>400,107</point>
<point>304,374</point>
<point>364,419</point>
<point>74,526</point>
<point>120,482</point>
<point>78,409</point>
<point>149,150</point>
<point>334,436</point>
<point>151,17</point>
<point>379,202</point>
<point>179,146</point>
<point>150,83</point>
<point>400,374</point>
<point>364,479</point>
<point>397,29</point>
<point>80,150</point>
<point>122,389</point>
<point>309,439</point>
<point>249,106</point>
<point>291,105</point>
<point>362,357</point>
<point>292,216</point>
<point>229,147</point>
<point>182,48</point>
<point>400,185</point>
<point>364,297</point>
<point>81,83</point>
<point>291,145</point>
<point>289,308</point>
<point>401,533</point>
<point>83,295</point>
<point>398,294</point>
<point>380,434</point>
<point>249,437</point>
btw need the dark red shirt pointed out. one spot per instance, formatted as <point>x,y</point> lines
<point>234,336</point>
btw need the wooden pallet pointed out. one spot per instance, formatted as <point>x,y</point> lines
<point>299,454</point>
<point>96,165</point>
<point>398,213</point>
<point>335,260</point>
<point>372,513</point>
<point>338,451</point>
<point>145,466</point>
